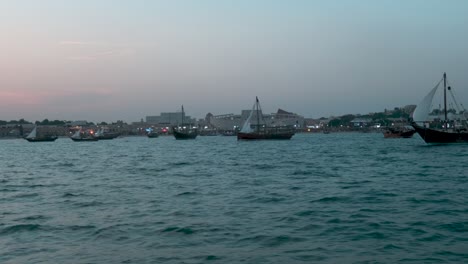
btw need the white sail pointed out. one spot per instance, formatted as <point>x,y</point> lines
<point>33,133</point>
<point>77,134</point>
<point>99,133</point>
<point>246,128</point>
<point>422,110</point>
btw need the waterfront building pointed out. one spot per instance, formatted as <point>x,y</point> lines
<point>233,122</point>
<point>169,119</point>
<point>361,122</point>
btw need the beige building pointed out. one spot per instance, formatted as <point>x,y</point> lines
<point>169,119</point>
<point>233,122</point>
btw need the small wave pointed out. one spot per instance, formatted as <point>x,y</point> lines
<point>175,229</point>
<point>413,231</point>
<point>255,239</point>
<point>70,195</point>
<point>334,221</point>
<point>391,246</point>
<point>26,195</point>
<point>179,164</point>
<point>44,185</point>
<point>186,194</point>
<point>418,223</point>
<point>212,257</point>
<point>117,232</point>
<point>436,201</point>
<point>287,219</point>
<point>310,227</point>
<point>451,253</point>
<point>360,183</point>
<point>66,164</point>
<point>359,216</point>
<point>89,204</point>
<point>368,210</point>
<point>331,199</point>
<point>32,218</point>
<point>20,228</point>
<point>8,190</point>
<point>371,235</point>
<point>269,199</point>
<point>264,166</point>
<point>158,169</point>
<point>305,213</point>
<point>80,227</point>
<point>459,227</point>
<point>303,172</point>
<point>432,238</point>
<point>386,194</point>
<point>283,239</point>
<point>424,260</point>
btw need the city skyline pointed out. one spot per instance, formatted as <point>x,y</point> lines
<point>110,60</point>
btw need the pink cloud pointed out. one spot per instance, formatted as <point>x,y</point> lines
<point>19,98</point>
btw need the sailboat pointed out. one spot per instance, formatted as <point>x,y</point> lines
<point>184,131</point>
<point>101,134</point>
<point>79,135</point>
<point>151,133</point>
<point>33,137</point>
<point>441,129</point>
<point>260,130</point>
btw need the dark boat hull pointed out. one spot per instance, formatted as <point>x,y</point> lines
<point>107,136</point>
<point>229,133</point>
<point>84,139</point>
<point>403,134</point>
<point>41,139</point>
<point>259,136</point>
<point>438,136</point>
<point>183,135</point>
<point>152,135</point>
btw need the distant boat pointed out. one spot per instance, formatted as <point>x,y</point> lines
<point>398,132</point>
<point>260,130</point>
<point>184,131</point>
<point>152,134</point>
<point>208,132</point>
<point>229,133</point>
<point>79,135</point>
<point>441,130</point>
<point>34,137</point>
<point>101,134</point>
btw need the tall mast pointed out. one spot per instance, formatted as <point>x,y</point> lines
<point>445,99</point>
<point>258,116</point>
<point>183,115</point>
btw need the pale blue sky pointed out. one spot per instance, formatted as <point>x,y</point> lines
<point>109,60</point>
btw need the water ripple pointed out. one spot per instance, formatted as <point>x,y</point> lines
<point>336,198</point>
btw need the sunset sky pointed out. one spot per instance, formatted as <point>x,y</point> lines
<point>104,60</point>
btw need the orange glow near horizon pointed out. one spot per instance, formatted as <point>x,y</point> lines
<point>20,98</point>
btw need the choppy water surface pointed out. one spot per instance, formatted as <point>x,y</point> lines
<point>336,198</point>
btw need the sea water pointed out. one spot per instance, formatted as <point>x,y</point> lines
<point>334,198</point>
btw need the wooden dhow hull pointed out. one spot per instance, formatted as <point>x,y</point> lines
<point>107,136</point>
<point>440,136</point>
<point>185,135</point>
<point>402,134</point>
<point>42,139</point>
<point>262,136</point>
<point>84,139</point>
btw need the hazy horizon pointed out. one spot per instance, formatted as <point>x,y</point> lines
<point>108,60</point>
